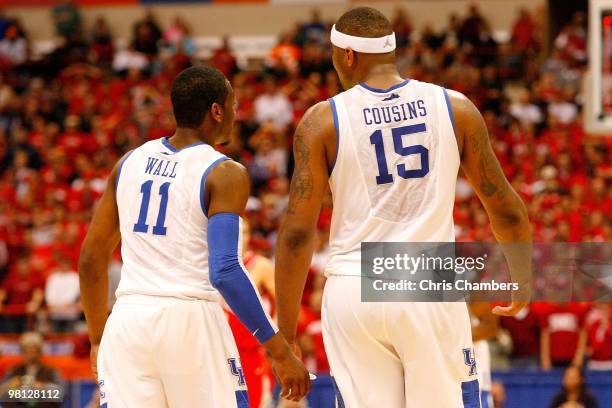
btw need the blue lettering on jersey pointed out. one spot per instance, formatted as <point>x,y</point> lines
<point>164,173</point>
<point>421,106</point>
<point>386,114</point>
<point>158,169</point>
<point>102,392</point>
<point>236,371</point>
<point>470,360</point>
<point>395,113</point>
<point>164,168</point>
<point>173,173</point>
<point>412,109</point>
<point>150,164</point>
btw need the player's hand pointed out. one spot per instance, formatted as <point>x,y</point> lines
<point>289,370</point>
<point>511,310</point>
<point>292,376</point>
<point>93,357</point>
<point>520,300</point>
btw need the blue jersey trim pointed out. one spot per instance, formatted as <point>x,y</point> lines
<point>379,90</point>
<point>339,398</point>
<point>120,167</point>
<point>449,107</point>
<point>484,399</point>
<point>173,149</point>
<point>242,399</point>
<point>203,183</point>
<point>470,393</point>
<point>337,126</point>
<point>166,143</point>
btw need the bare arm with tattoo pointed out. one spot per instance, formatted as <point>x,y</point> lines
<point>506,210</point>
<point>313,147</point>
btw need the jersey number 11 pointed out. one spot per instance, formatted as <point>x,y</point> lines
<point>141,225</point>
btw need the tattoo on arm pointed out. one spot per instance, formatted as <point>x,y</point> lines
<point>492,178</point>
<point>486,184</point>
<point>302,180</point>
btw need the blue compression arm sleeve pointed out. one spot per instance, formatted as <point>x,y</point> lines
<point>230,278</point>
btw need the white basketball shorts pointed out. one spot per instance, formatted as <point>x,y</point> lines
<point>168,352</point>
<point>397,355</point>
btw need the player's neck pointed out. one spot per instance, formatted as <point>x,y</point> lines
<point>185,137</point>
<point>382,76</point>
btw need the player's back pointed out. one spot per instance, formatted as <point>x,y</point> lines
<point>160,198</point>
<point>395,172</point>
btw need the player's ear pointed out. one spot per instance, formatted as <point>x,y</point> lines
<point>216,111</point>
<point>350,57</point>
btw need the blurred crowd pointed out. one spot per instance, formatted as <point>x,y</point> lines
<point>66,117</point>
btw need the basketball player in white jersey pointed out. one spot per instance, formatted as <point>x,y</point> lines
<point>485,326</point>
<point>390,149</point>
<point>175,205</point>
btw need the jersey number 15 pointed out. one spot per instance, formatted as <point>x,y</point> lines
<point>384,177</point>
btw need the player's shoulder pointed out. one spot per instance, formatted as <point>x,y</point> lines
<point>230,166</point>
<point>230,172</point>
<point>431,87</point>
<point>150,144</point>
<point>461,104</point>
<point>319,110</point>
<point>466,115</point>
<point>226,188</point>
<point>139,152</point>
<point>317,120</point>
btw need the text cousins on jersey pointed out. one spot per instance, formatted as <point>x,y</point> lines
<point>394,113</point>
<point>160,167</point>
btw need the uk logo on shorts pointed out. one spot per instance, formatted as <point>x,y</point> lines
<point>103,403</point>
<point>470,360</point>
<point>236,370</point>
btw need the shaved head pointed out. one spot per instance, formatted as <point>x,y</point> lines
<point>364,22</point>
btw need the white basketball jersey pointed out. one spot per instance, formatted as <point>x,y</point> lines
<point>160,197</point>
<point>395,172</point>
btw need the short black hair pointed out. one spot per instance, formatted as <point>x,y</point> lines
<point>194,91</point>
<point>364,22</point>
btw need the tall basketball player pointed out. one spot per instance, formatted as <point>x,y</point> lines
<point>390,149</point>
<point>175,204</point>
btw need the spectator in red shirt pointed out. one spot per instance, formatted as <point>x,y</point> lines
<point>523,31</point>
<point>524,329</point>
<point>21,297</point>
<point>102,48</point>
<point>224,60</point>
<point>599,332</point>
<point>563,336</point>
